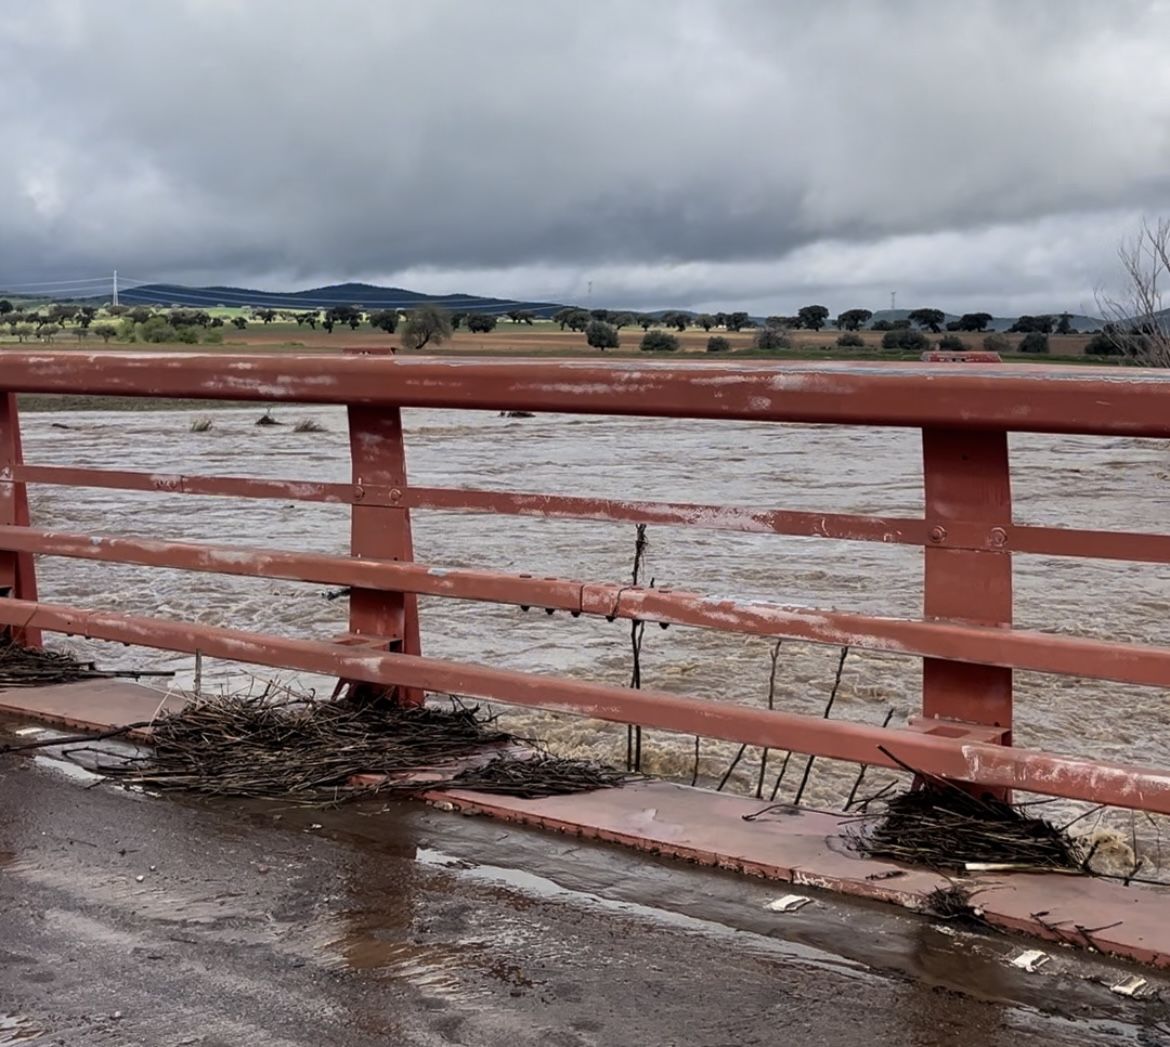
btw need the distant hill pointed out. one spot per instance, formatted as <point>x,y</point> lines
<point>368,296</point>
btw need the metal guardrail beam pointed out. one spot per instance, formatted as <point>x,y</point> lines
<point>1019,649</point>
<point>1122,401</point>
<point>995,766</point>
<point>1132,546</point>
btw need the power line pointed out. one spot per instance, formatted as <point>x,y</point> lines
<point>56,283</point>
<point>65,290</point>
<point>80,290</point>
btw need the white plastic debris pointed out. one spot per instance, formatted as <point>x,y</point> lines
<point>1031,960</point>
<point>789,903</point>
<point>1134,985</point>
<point>23,731</point>
<point>1023,867</point>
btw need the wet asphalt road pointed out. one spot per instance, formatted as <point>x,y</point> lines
<point>127,919</point>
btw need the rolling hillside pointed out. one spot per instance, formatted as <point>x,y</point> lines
<point>367,296</point>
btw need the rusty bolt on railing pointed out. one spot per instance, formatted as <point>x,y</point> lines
<point>938,534</point>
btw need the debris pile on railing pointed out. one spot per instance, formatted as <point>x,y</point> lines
<point>36,667</point>
<point>540,774</point>
<point>943,827</point>
<point>309,752</point>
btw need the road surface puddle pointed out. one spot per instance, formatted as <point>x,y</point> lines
<point>375,941</point>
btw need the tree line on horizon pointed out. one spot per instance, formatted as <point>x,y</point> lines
<point>602,328</point>
<point>427,324</point>
<point>181,324</point>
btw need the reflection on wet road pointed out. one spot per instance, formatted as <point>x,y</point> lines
<point>127,919</point>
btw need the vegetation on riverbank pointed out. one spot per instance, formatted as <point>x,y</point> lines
<point>571,331</point>
<point>599,335</point>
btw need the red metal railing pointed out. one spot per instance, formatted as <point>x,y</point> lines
<point>965,636</point>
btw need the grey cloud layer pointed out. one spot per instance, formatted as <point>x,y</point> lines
<point>442,138</point>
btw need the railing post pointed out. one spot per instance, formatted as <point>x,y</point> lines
<point>381,531</point>
<point>967,481</point>
<point>17,571</point>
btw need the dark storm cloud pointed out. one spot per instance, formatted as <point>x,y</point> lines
<point>689,151</point>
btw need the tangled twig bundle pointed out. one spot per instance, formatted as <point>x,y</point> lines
<point>36,667</point>
<point>943,827</point>
<point>308,752</point>
<point>952,902</point>
<point>538,775</point>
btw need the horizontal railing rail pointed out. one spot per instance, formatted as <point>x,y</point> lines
<point>965,636</point>
<point>1016,649</point>
<point>1135,546</point>
<point>1016,398</point>
<point>964,760</point>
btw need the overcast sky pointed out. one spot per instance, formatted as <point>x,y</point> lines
<point>757,154</point>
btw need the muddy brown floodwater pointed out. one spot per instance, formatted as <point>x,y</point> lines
<point>1071,481</point>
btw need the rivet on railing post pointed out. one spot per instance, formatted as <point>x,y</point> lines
<point>997,537</point>
<point>938,534</point>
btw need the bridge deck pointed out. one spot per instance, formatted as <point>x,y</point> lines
<point>795,845</point>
